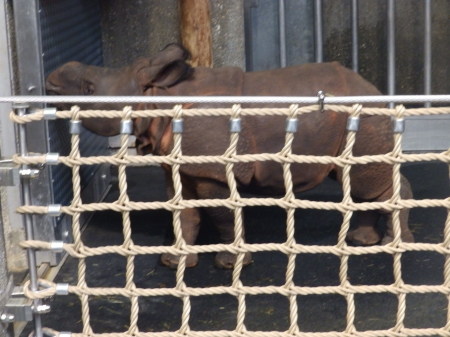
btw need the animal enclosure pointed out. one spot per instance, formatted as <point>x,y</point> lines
<point>305,279</point>
<point>132,292</point>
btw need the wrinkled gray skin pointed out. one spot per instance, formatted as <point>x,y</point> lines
<point>319,133</point>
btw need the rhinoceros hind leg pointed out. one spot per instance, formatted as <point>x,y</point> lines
<point>226,260</point>
<point>172,261</point>
<point>364,236</point>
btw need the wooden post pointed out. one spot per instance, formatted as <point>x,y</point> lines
<point>196,31</point>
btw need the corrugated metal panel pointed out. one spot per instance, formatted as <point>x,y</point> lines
<point>70,31</point>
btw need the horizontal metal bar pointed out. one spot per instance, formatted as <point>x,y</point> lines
<point>228,99</point>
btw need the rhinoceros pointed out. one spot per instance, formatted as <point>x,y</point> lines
<point>319,133</point>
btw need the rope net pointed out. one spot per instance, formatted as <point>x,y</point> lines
<point>236,204</point>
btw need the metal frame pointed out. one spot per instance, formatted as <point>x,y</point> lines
<point>30,75</point>
<point>398,99</point>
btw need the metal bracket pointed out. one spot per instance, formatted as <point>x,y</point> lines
<point>18,308</point>
<point>9,173</point>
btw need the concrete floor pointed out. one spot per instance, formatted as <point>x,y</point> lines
<point>263,224</point>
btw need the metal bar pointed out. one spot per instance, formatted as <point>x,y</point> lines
<point>228,99</point>
<point>318,34</point>
<point>282,30</point>
<point>391,49</point>
<point>21,110</point>
<point>427,51</point>
<point>355,42</point>
<point>29,48</point>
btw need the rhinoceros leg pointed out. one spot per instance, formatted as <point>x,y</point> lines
<point>366,232</point>
<point>407,236</point>
<point>223,219</point>
<point>190,223</point>
<point>190,219</point>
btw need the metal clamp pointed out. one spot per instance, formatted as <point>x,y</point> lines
<point>49,113</point>
<point>52,158</point>
<point>62,289</point>
<point>75,127</point>
<point>235,125</point>
<point>291,125</point>
<point>321,99</point>
<point>57,246</point>
<point>177,126</point>
<point>353,124</point>
<point>54,210</point>
<point>399,125</point>
<point>126,127</point>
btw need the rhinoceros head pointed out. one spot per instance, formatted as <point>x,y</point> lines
<point>165,69</point>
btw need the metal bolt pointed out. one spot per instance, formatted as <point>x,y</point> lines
<point>6,318</point>
<point>42,309</point>
<point>29,173</point>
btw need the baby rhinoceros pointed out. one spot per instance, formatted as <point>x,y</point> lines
<point>319,133</point>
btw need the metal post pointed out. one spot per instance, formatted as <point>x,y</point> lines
<point>391,48</point>
<point>427,51</point>
<point>21,110</point>
<point>282,29</point>
<point>318,34</point>
<point>355,43</point>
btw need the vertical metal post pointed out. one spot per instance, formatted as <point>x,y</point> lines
<point>318,34</point>
<point>21,110</point>
<point>355,43</point>
<point>427,51</point>
<point>391,48</point>
<point>282,29</point>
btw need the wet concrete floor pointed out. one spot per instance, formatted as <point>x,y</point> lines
<point>263,224</point>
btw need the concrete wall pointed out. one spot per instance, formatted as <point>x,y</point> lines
<point>141,28</point>
<point>137,28</point>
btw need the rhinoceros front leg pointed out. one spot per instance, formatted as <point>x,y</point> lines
<point>406,235</point>
<point>223,219</point>
<point>190,224</point>
<point>189,218</point>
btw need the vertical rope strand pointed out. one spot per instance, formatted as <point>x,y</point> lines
<point>126,222</point>
<point>76,225</point>
<point>290,223</point>
<point>238,220</point>
<point>290,216</point>
<point>396,197</point>
<point>180,244</point>
<point>446,244</point>
<point>347,215</point>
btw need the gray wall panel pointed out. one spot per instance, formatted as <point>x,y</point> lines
<point>70,31</point>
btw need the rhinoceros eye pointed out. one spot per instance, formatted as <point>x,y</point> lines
<point>87,88</point>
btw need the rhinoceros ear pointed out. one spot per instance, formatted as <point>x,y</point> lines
<point>167,68</point>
